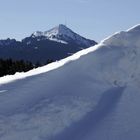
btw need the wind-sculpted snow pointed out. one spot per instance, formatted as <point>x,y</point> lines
<point>129,38</point>
<point>93,94</point>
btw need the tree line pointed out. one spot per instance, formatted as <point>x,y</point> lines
<point>10,67</point>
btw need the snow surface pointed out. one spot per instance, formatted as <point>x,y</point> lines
<point>93,94</point>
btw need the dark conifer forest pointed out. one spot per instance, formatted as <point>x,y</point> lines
<point>10,67</point>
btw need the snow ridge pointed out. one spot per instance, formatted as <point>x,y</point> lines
<point>47,68</point>
<point>130,37</point>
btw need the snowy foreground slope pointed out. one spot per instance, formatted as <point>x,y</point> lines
<point>92,97</point>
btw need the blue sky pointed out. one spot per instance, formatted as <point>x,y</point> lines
<point>94,19</point>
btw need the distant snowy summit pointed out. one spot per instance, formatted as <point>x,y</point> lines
<point>54,44</point>
<point>63,34</point>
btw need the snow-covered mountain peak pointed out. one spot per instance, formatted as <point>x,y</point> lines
<point>128,38</point>
<point>63,34</point>
<point>58,30</point>
<point>59,33</point>
<point>37,34</point>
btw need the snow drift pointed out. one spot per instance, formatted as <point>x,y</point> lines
<point>93,94</point>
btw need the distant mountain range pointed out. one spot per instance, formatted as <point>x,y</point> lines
<point>54,44</point>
